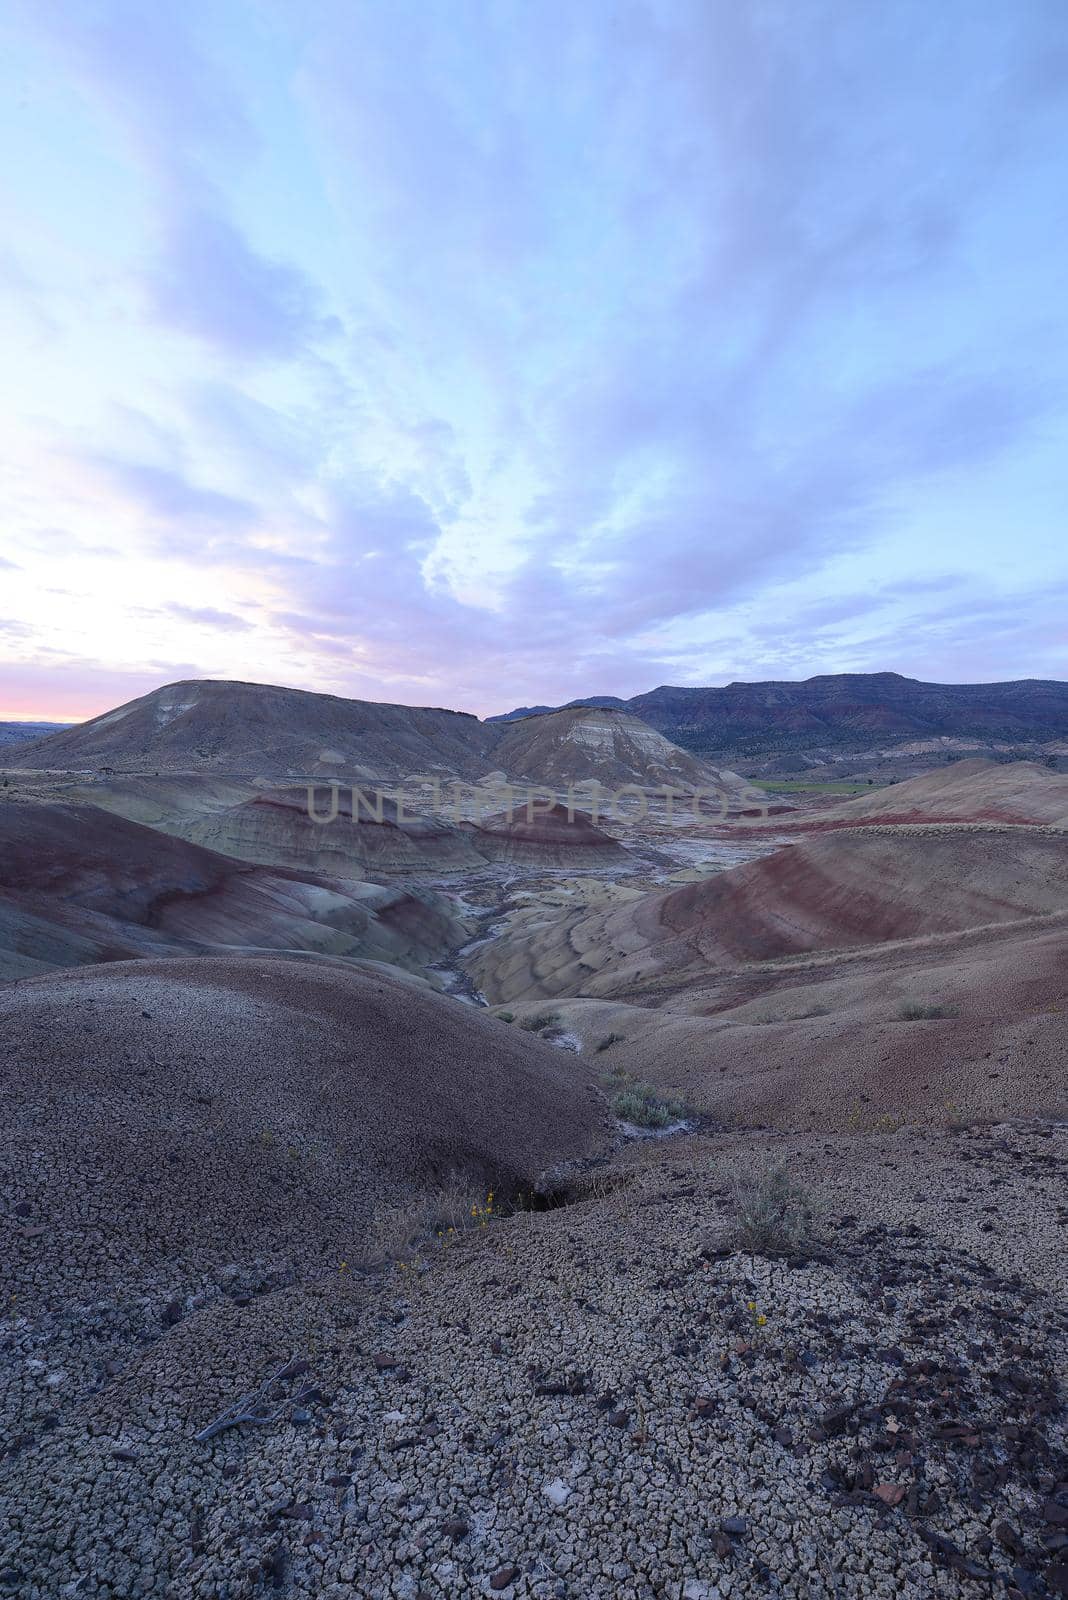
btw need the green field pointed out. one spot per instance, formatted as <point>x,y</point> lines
<point>799,786</point>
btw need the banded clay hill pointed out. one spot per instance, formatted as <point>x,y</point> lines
<point>930,1033</point>
<point>965,791</point>
<point>591,1203</point>
<point>550,836</point>
<point>359,841</point>
<point>867,887</point>
<point>79,885</point>
<point>579,744</point>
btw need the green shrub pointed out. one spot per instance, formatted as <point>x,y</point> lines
<point>912,1011</point>
<point>639,1104</point>
<point>771,1214</point>
<point>610,1039</point>
<point>544,1019</point>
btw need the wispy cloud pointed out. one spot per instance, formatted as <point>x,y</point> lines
<point>208,617</point>
<point>486,357</point>
<point>210,282</point>
<point>167,494</point>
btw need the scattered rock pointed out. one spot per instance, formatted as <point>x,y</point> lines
<point>890,1494</point>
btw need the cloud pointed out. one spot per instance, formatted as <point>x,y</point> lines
<point>187,128</point>
<point>275,448</point>
<point>168,495</point>
<point>149,73</point>
<point>208,617</point>
<point>990,636</point>
<point>209,282</point>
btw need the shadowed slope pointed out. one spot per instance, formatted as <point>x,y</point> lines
<point>278,827</point>
<point>203,1112</point>
<point>80,885</point>
<point>166,802</point>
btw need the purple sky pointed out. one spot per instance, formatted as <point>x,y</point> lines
<point>478,353</point>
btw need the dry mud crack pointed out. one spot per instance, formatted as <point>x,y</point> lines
<point>583,1402</point>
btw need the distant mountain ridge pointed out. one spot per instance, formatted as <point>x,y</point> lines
<point>24,732</point>
<point>212,725</point>
<point>844,708</point>
<point>254,729</point>
<point>612,701</point>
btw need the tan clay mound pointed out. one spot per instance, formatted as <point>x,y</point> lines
<point>833,892</point>
<point>547,836</point>
<point>81,885</point>
<point>574,745</point>
<point>160,802</point>
<point>207,1111</point>
<point>839,1045</point>
<point>964,791</point>
<point>279,827</point>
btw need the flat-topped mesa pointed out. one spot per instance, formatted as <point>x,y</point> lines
<point>546,836</point>
<point>256,728</point>
<point>844,708</point>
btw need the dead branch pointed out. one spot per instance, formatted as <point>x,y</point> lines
<point>257,1406</point>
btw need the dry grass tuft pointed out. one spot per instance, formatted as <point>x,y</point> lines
<point>428,1221</point>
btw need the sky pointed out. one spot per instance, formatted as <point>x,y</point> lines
<point>487,352</point>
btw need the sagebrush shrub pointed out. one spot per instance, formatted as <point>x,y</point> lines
<point>771,1213</point>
